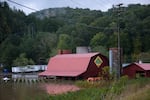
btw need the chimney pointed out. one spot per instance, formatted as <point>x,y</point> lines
<point>62,51</point>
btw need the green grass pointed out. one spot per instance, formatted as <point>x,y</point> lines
<point>122,89</point>
<point>84,94</point>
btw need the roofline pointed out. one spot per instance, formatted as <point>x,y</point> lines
<point>140,66</point>
<point>134,63</point>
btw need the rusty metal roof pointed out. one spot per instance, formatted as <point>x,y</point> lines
<point>68,64</point>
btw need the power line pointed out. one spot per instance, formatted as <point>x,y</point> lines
<point>22,5</point>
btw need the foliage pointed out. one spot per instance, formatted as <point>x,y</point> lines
<point>119,85</point>
<point>98,39</point>
<point>39,34</point>
<point>125,89</point>
<point>64,42</point>
<point>22,60</point>
<point>100,49</point>
<point>84,94</point>
<point>98,84</point>
<point>143,94</point>
<point>122,89</point>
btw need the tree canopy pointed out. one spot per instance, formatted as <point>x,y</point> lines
<point>40,34</point>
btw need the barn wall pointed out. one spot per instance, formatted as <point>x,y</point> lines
<point>93,70</point>
<point>131,70</point>
<point>148,73</point>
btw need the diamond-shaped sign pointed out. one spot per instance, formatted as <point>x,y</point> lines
<point>98,61</point>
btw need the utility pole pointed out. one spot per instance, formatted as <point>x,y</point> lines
<point>118,37</point>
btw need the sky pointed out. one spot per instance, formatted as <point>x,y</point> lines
<point>102,5</point>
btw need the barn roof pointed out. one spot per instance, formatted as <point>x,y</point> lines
<point>68,64</point>
<point>145,66</point>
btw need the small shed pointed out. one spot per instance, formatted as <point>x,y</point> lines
<point>135,69</point>
<point>76,65</point>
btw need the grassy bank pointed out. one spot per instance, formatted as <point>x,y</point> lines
<point>123,89</point>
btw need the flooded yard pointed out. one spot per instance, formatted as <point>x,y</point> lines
<point>29,89</point>
<point>11,91</point>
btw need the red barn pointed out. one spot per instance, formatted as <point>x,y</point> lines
<point>76,65</point>
<point>133,69</point>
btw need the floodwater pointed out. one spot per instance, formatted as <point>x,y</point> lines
<point>10,91</point>
<point>31,89</point>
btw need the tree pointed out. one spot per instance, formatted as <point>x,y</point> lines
<point>22,60</point>
<point>101,22</point>
<point>64,42</point>
<point>38,38</point>
<point>100,49</point>
<point>99,39</point>
<point>40,46</point>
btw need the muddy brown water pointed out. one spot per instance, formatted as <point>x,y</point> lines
<point>10,91</point>
<point>30,90</point>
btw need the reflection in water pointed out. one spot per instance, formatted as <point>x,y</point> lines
<point>52,88</point>
<point>20,91</point>
<point>39,90</point>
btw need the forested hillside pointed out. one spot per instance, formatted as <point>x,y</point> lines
<point>36,37</point>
